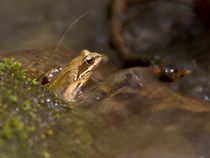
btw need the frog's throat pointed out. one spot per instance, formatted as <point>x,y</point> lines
<point>71,92</point>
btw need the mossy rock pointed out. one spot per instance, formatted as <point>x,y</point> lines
<point>33,120</point>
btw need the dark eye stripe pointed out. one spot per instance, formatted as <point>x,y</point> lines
<point>82,68</point>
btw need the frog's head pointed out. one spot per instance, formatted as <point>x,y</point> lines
<point>88,63</point>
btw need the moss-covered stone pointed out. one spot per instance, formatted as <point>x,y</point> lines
<point>35,123</point>
<point>27,110</point>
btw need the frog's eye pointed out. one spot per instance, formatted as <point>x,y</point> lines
<point>90,61</point>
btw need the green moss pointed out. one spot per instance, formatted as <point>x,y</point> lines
<point>27,106</point>
<point>13,126</point>
<point>25,114</point>
<point>13,98</point>
<point>34,122</point>
<point>46,154</point>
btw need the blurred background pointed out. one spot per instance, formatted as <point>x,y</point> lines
<point>34,24</point>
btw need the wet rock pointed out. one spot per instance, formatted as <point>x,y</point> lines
<point>131,114</point>
<point>196,85</point>
<point>145,118</point>
<point>35,123</point>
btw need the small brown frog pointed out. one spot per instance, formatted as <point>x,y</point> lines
<point>74,75</point>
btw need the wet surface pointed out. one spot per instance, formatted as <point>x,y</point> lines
<point>124,114</point>
<point>131,114</point>
<point>148,119</point>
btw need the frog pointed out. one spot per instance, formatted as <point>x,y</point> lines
<point>68,80</point>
